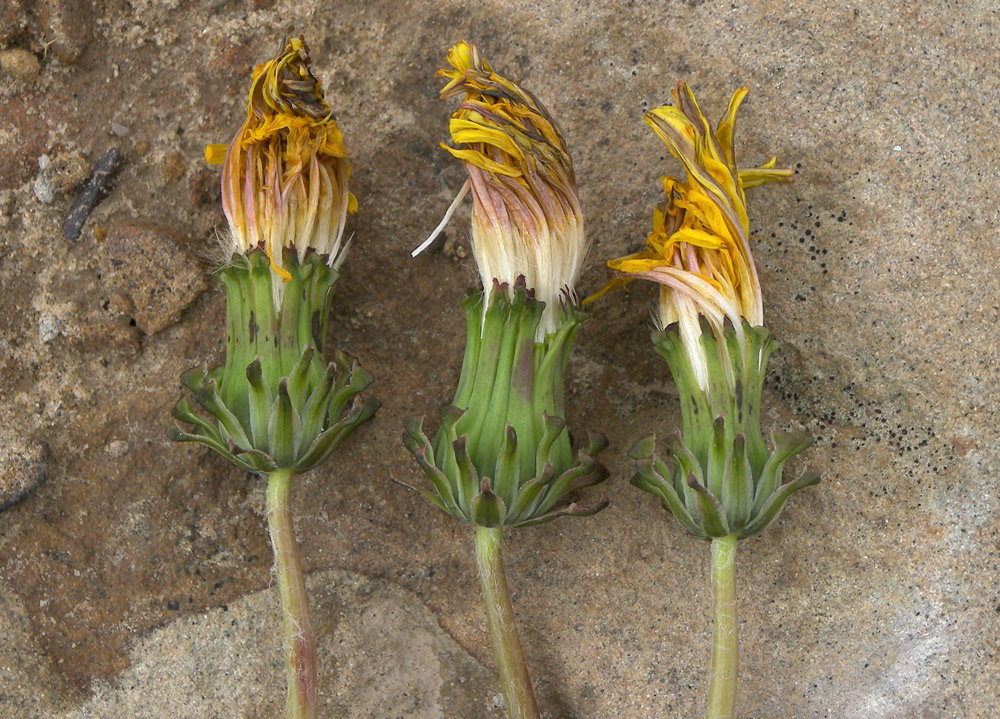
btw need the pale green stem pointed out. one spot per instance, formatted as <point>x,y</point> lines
<point>300,655</point>
<point>514,680</point>
<point>725,632</point>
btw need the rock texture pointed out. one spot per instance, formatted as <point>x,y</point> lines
<point>136,579</point>
<point>151,268</point>
<point>22,466</point>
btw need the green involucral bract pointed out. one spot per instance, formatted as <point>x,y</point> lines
<point>502,455</point>
<point>276,403</point>
<point>720,478</point>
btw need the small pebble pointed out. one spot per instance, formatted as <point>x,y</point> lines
<point>13,21</point>
<point>49,327</point>
<point>20,64</point>
<point>41,187</point>
<point>455,246</point>
<point>66,25</point>
<point>59,175</point>
<point>118,448</point>
<point>43,191</point>
<point>118,129</point>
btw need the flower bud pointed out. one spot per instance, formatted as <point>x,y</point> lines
<point>285,173</point>
<point>526,216</point>
<point>720,479</point>
<point>699,249</point>
<point>502,455</point>
<point>276,402</point>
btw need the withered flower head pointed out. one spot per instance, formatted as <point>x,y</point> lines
<point>699,250</point>
<point>526,218</point>
<point>285,173</point>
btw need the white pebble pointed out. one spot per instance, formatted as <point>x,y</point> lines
<point>49,327</point>
<point>118,448</point>
<point>43,190</point>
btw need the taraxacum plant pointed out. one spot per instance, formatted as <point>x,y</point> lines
<point>278,407</point>
<point>720,481</point>
<point>501,456</point>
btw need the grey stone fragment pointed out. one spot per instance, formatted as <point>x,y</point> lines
<point>49,327</point>
<point>151,266</point>
<point>59,175</point>
<point>43,191</point>
<point>22,466</point>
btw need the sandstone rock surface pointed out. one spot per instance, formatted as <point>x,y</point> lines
<point>875,594</point>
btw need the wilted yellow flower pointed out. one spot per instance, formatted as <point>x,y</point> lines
<point>284,178</point>
<point>699,249</point>
<point>526,218</point>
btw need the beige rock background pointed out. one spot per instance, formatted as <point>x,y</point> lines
<point>136,573</point>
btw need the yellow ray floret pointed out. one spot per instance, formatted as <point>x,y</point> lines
<point>699,249</point>
<point>700,232</point>
<point>285,174</point>
<point>527,219</point>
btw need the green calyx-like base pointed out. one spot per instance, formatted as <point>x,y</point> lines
<point>277,405</point>
<point>720,478</point>
<point>502,455</point>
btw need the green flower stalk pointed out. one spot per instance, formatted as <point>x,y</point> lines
<point>502,456</point>
<point>719,480</point>
<point>278,407</point>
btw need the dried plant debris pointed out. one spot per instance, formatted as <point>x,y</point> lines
<point>97,187</point>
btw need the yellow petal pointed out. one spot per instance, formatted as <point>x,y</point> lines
<point>616,282</point>
<point>215,154</point>
<point>657,219</point>
<point>467,132</point>
<point>281,271</point>
<point>724,133</point>
<point>481,161</point>
<point>706,257</point>
<point>763,175</point>
<point>698,238</point>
